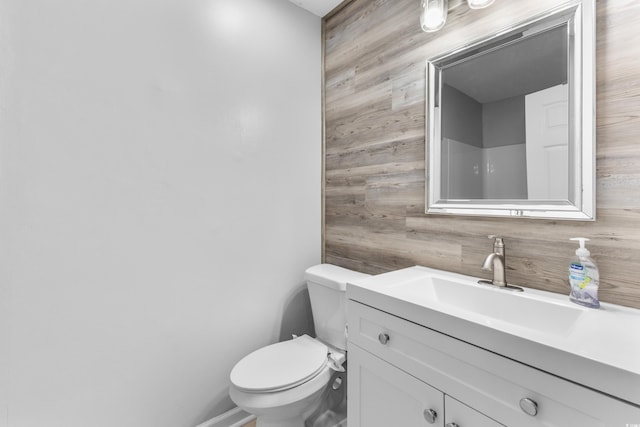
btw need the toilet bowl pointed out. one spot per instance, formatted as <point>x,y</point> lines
<point>284,382</point>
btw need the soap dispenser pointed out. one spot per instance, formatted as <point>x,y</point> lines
<point>584,277</point>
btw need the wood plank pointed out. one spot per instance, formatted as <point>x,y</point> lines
<point>375,57</point>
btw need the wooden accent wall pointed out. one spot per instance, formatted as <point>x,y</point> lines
<point>374,180</point>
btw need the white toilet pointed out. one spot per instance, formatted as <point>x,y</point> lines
<point>283,383</point>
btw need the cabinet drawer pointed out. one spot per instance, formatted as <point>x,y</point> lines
<point>487,382</point>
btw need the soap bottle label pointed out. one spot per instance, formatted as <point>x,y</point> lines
<point>584,284</point>
<point>577,275</point>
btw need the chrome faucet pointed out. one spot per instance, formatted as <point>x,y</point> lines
<point>496,261</point>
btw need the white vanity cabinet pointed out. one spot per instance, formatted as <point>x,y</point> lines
<point>382,395</point>
<point>399,371</point>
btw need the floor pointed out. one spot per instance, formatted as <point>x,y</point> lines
<point>253,424</point>
<point>332,412</point>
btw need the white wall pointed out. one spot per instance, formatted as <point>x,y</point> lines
<point>159,201</point>
<point>483,173</point>
<point>505,172</point>
<point>463,167</point>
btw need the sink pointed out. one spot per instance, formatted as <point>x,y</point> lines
<point>462,296</point>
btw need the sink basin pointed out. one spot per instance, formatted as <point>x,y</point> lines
<point>524,309</point>
<point>540,311</point>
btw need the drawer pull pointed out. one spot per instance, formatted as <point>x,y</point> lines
<point>430,415</point>
<point>383,338</point>
<point>529,406</point>
<point>452,425</point>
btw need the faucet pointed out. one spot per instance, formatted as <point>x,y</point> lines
<point>496,261</point>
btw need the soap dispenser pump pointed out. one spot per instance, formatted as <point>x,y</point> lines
<point>584,277</point>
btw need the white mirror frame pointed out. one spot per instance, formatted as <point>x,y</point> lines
<point>580,16</point>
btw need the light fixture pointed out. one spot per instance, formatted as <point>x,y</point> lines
<point>433,15</point>
<point>479,4</point>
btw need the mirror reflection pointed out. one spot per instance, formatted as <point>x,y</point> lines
<point>505,119</point>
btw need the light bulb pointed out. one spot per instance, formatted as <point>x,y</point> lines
<point>479,4</point>
<point>433,15</point>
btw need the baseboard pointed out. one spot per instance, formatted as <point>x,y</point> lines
<point>235,417</point>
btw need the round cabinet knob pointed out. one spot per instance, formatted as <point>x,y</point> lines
<point>452,425</point>
<point>430,415</point>
<point>529,406</point>
<point>383,338</point>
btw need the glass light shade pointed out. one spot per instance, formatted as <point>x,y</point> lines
<point>433,15</point>
<point>479,4</point>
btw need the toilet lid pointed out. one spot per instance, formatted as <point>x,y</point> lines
<point>280,366</point>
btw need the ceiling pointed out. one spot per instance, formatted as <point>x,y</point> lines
<point>317,7</point>
<point>521,67</point>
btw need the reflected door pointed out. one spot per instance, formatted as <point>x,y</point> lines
<point>547,130</point>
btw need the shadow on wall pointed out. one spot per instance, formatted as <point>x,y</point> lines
<point>297,318</point>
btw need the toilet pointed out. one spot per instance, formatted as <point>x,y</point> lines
<point>283,383</point>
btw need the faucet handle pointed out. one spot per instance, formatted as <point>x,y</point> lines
<point>498,242</point>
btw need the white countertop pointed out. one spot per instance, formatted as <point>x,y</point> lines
<point>598,348</point>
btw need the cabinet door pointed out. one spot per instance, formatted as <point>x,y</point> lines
<point>458,414</point>
<point>381,395</point>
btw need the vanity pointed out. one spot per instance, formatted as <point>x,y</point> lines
<point>429,347</point>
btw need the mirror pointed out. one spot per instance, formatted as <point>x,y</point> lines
<point>510,121</point>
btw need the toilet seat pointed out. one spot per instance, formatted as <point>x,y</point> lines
<point>280,366</point>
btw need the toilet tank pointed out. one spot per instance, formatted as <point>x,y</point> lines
<point>327,286</point>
